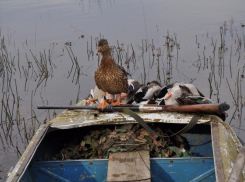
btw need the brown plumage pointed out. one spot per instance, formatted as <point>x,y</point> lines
<point>110,77</point>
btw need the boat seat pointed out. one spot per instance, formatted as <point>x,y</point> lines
<point>129,166</point>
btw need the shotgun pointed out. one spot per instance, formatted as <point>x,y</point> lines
<point>151,108</point>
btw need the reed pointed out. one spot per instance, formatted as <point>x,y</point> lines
<point>149,60</point>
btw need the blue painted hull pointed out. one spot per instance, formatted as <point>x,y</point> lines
<point>169,170</point>
<point>198,168</point>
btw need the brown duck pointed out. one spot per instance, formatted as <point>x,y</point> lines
<point>110,77</point>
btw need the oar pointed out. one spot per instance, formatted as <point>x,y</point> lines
<point>200,108</point>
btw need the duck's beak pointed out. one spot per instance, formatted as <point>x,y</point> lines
<point>99,50</point>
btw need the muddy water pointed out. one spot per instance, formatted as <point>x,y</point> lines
<point>48,47</point>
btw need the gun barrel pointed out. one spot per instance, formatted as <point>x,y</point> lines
<point>207,108</point>
<point>107,109</point>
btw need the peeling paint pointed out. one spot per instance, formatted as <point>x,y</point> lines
<point>85,177</point>
<point>27,155</point>
<point>228,141</point>
<point>229,147</point>
<point>79,118</point>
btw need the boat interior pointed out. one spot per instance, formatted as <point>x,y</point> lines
<point>197,167</point>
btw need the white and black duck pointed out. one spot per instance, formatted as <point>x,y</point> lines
<point>147,93</point>
<point>181,94</point>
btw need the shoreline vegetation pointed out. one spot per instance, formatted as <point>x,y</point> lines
<point>25,76</point>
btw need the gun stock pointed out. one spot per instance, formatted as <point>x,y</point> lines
<point>201,108</point>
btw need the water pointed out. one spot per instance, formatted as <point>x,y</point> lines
<point>47,31</point>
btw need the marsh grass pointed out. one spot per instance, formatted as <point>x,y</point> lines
<point>221,59</point>
<point>18,122</point>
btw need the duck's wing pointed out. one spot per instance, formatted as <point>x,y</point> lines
<point>200,93</point>
<point>154,83</point>
<point>191,90</point>
<point>123,70</point>
<point>138,96</point>
<point>97,77</point>
<point>185,90</point>
<point>162,92</point>
<point>122,75</point>
<point>185,101</point>
<point>166,89</point>
<point>152,92</point>
<point>193,100</point>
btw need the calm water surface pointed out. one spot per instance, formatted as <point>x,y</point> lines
<point>45,43</point>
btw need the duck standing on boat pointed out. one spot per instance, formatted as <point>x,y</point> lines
<point>110,77</point>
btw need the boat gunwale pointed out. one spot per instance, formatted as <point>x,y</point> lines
<point>21,166</point>
<point>119,118</point>
<point>89,160</point>
<point>69,119</point>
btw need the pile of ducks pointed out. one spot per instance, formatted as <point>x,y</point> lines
<point>111,80</point>
<point>153,93</point>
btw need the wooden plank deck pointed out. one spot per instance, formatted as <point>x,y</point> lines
<point>129,166</point>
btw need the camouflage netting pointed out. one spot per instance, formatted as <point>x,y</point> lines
<point>130,137</point>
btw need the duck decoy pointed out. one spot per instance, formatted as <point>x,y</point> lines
<point>110,77</point>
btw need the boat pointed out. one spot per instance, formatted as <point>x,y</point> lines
<point>212,141</point>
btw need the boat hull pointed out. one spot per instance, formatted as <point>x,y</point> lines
<point>212,142</point>
<point>169,170</point>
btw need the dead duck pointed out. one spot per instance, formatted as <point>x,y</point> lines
<point>96,96</point>
<point>147,92</point>
<point>153,83</point>
<point>191,95</point>
<point>166,89</point>
<point>110,77</point>
<point>139,95</point>
<point>133,86</point>
<point>182,94</point>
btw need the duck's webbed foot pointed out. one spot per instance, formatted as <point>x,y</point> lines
<point>103,104</point>
<point>118,102</point>
<point>112,99</point>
